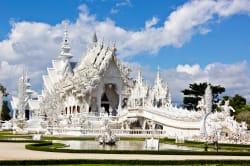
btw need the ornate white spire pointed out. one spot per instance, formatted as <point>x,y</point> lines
<point>114,48</point>
<point>94,39</point>
<point>24,93</point>
<point>158,76</point>
<point>139,78</point>
<point>160,91</point>
<point>139,92</point>
<point>208,98</point>
<point>65,49</point>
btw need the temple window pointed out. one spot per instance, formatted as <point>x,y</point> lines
<point>78,109</point>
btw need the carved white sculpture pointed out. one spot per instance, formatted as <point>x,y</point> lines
<point>208,108</point>
<point>227,108</point>
<point>1,103</point>
<point>220,125</point>
<point>152,143</point>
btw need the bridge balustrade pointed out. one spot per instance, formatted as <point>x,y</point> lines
<point>96,132</point>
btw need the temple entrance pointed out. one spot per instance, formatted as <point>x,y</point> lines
<point>105,103</point>
<point>110,99</point>
<point>27,114</point>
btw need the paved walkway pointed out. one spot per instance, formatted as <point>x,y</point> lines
<point>17,151</point>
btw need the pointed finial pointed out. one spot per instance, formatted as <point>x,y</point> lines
<point>26,76</point>
<point>158,73</point>
<point>158,68</point>
<point>66,37</point>
<point>94,38</point>
<point>114,47</point>
<point>65,48</point>
<point>23,76</point>
<point>139,79</point>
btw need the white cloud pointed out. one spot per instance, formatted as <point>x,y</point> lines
<point>234,77</point>
<point>151,22</point>
<point>9,75</point>
<point>32,38</point>
<point>188,69</point>
<point>35,44</point>
<point>114,11</point>
<point>83,8</point>
<point>123,3</point>
<point>204,30</point>
<point>230,7</point>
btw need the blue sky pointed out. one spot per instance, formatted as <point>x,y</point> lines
<point>192,41</point>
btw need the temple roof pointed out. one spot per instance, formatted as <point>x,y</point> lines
<point>85,75</point>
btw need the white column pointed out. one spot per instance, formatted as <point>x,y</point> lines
<point>120,105</point>
<point>14,114</point>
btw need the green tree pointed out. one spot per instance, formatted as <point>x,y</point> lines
<point>237,102</point>
<point>196,91</point>
<point>245,108</point>
<point>5,109</point>
<point>244,115</point>
<point>3,90</point>
<point>5,114</point>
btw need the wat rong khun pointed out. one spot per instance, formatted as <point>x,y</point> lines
<point>96,96</point>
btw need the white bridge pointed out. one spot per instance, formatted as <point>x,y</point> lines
<point>172,124</point>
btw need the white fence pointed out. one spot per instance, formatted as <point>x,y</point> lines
<point>97,132</point>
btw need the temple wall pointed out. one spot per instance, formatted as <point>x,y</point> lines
<point>172,132</point>
<point>71,105</point>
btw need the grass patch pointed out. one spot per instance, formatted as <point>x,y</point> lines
<point>9,134</point>
<point>5,132</point>
<point>210,146</point>
<point>132,139</point>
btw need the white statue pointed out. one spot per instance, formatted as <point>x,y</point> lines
<point>1,102</point>
<point>227,108</point>
<point>208,108</point>
<point>208,99</point>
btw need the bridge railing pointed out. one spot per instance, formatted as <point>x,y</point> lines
<point>97,132</point>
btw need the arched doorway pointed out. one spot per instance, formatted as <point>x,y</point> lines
<point>105,103</point>
<point>27,114</point>
<point>110,99</point>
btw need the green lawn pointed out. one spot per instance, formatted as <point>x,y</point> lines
<point>211,147</point>
<point>144,165</point>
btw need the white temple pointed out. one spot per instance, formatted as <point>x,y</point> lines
<point>78,97</point>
